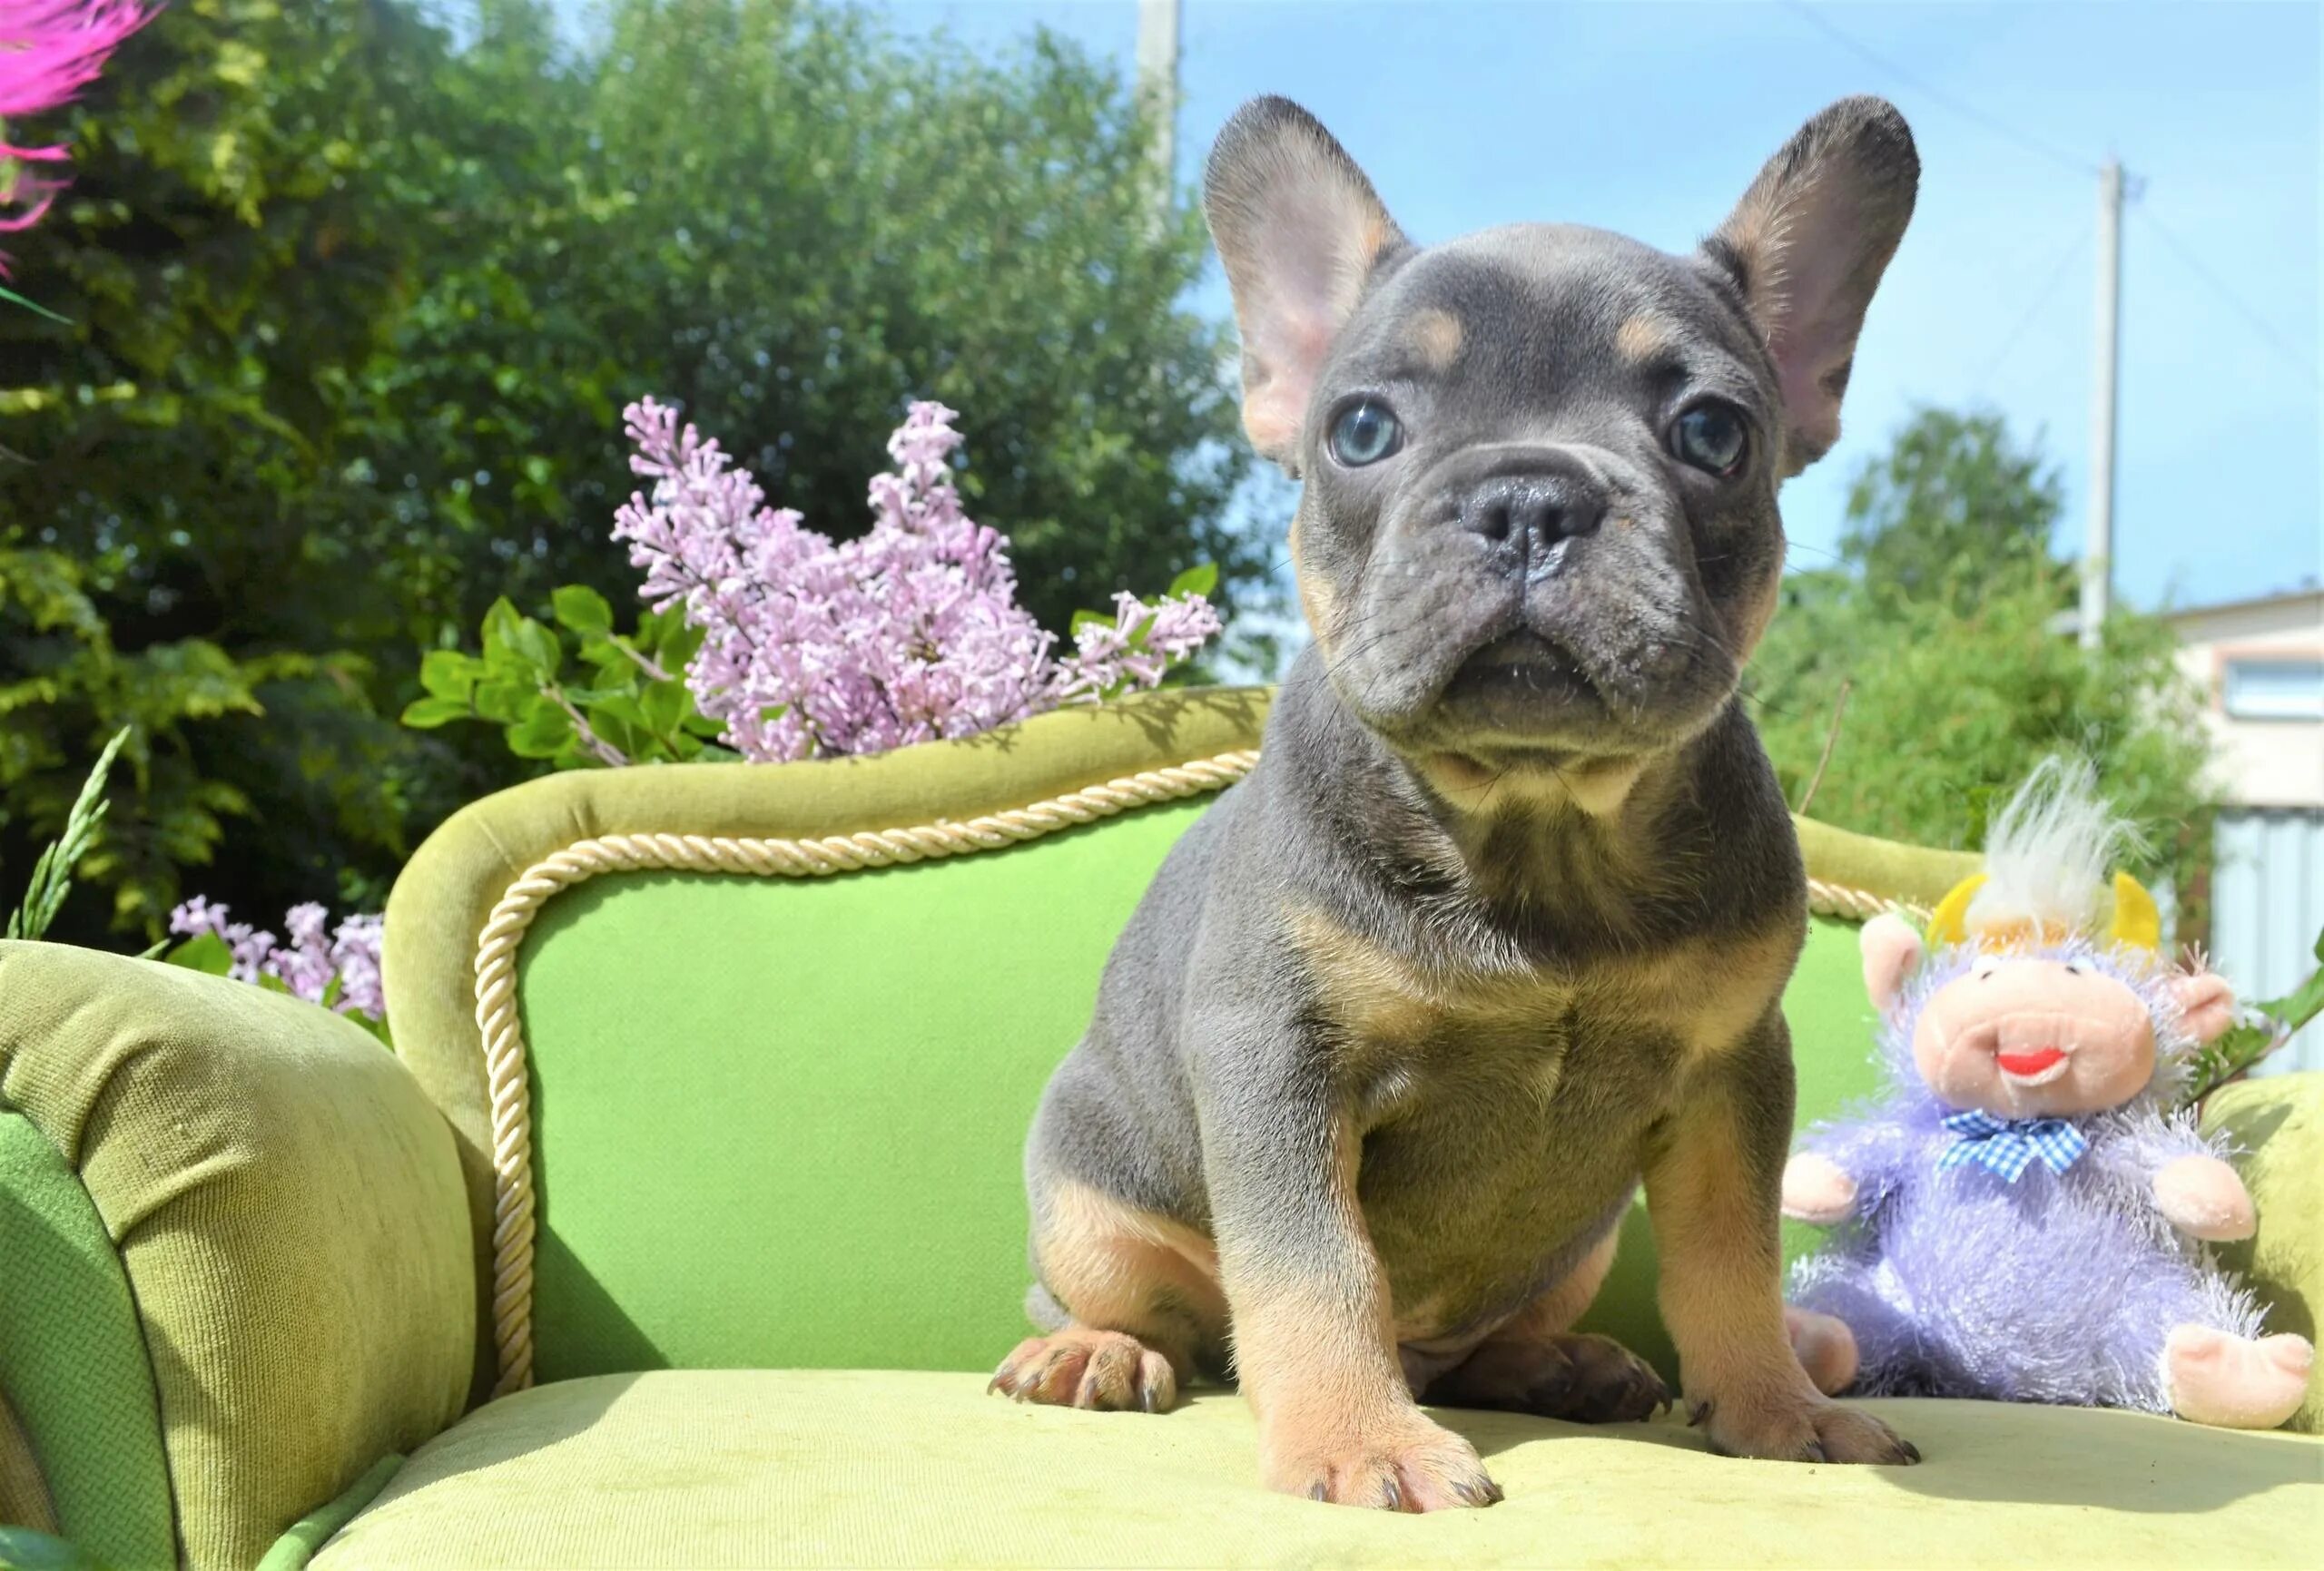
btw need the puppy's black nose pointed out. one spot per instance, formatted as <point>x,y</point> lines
<point>1530,513</point>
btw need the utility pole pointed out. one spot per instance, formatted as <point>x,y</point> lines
<point>1157,81</point>
<point>2098,546</point>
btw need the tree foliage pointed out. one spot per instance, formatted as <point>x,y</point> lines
<point>352,311</point>
<point>1943,622</point>
<point>1953,505</point>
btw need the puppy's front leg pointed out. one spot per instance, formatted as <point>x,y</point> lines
<point>1315,1347</point>
<point>1714,1182</point>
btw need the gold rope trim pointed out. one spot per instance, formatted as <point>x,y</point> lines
<point>496,966</point>
<point>1857,905</point>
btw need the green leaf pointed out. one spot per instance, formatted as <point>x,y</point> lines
<point>620,708</point>
<point>582,609</point>
<point>539,648</point>
<point>14,299</point>
<point>544,733</point>
<point>1201,579</point>
<point>204,952</point>
<point>666,705</point>
<point>373,1024</point>
<point>427,713</point>
<point>449,673</point>
<point>500,625</point>
<point>1084,618</point>
<point>51,877</point>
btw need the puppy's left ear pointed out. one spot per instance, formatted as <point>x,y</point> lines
<point>1806,246</point>
<point>1300,231</point>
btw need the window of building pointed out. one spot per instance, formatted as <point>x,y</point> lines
<point>2275,687</point>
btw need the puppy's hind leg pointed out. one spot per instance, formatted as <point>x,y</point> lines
<point>1129,1300</point>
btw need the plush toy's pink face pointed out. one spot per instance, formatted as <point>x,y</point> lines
<point>2022,1037</point>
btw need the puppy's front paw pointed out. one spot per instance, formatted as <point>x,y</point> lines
<point>1080,1367</point>
<point>1795,1429</point>
<point>1408,1464</point>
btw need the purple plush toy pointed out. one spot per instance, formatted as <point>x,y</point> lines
<point>2019,1219</point>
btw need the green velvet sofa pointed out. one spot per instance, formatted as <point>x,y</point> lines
<point>684,1225</point>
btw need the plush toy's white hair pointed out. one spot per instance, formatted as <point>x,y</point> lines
<point>2049,851</point>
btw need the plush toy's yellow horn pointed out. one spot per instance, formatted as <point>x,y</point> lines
<point>2137,921</point>
<point>1950,924</point>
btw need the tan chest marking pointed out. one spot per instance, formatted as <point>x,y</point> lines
<point>1706,993</point>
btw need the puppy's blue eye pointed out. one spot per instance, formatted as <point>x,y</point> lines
<point>1712,437</point>
<point>1366,432</point>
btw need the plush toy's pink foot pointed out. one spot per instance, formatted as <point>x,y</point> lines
<point>2225,1381</point>
<point>1825,1346</point>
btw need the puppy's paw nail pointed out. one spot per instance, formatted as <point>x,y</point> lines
<point>1404,1464</point>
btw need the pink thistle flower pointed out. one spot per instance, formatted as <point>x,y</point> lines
<point>49,51</point>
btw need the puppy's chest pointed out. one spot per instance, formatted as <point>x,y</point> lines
<point>1403,1032</point>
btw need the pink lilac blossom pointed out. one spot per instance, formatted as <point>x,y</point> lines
<point>316,955</point>
<point>908,633</point>
<point>49,51</point>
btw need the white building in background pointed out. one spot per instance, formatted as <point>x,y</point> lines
<point>2260,664</point>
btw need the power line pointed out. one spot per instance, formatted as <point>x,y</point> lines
<point>2041,298</point>
<point>1967,110</point>
<point>2277,338</point>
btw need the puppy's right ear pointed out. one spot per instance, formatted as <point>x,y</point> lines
<point>1299,229</point>
<point>1806,246</point>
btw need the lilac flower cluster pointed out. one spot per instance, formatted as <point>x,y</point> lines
<point>910,633</point>
<point>49,51</point>
<point>315,956</point>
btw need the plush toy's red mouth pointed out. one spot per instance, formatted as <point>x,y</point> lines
<point>2031,1063</point>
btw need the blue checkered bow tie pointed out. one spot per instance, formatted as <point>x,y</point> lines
<point>2008,1147</point>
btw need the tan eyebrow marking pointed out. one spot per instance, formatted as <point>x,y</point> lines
<point>1643,337</point>
<point>1435,335</point>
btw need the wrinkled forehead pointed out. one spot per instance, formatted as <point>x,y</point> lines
<point>1547,310</point>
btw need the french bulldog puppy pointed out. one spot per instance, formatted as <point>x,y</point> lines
<point>1498,925</point>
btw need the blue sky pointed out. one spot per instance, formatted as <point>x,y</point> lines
<point>1651,118</point>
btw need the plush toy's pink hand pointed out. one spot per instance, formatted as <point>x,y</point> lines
<point>2201,1196</point>
<point>2206,1004</point>
<point>1816,1189</point>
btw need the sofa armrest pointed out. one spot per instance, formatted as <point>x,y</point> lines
<point>2276,1125</point>
<point>249,1219</point>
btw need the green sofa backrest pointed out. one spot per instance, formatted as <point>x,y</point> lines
<point>779,1121</point>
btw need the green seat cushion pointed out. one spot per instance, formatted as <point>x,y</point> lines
<point>711,1469</point>
<point>779,1122</point>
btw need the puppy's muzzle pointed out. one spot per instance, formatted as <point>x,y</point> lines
<point>1531,511</point>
